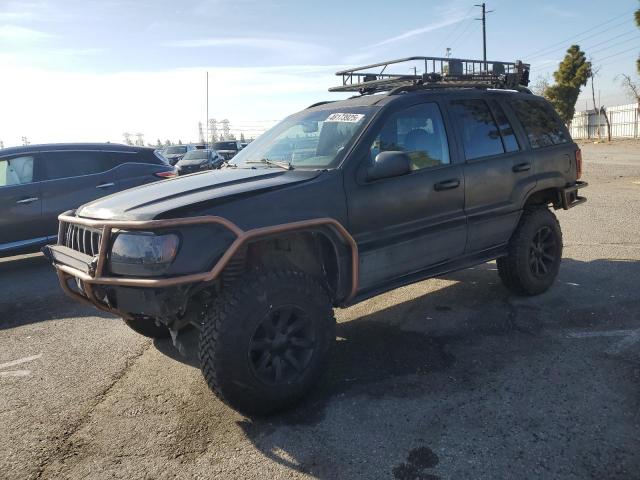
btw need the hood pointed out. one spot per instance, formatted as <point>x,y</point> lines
<point>151,200</point>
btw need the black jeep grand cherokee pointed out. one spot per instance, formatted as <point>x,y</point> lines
<point>337,203</point>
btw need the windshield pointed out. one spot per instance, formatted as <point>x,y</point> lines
<point>196,155</point>
<point>225,146</point>
<point>174,150</point>
<point>310,139</point>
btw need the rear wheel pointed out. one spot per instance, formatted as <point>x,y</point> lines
<point>147,327</point>
<point>265,344</point>
<point>535,253</point>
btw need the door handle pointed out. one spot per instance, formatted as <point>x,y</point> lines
<point>522,167</point>
<point>447,185</point>
<point>25,201</point>
<point>106,185</point>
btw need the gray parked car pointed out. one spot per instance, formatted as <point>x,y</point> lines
<point>38,182</point>
<point>199,160</point>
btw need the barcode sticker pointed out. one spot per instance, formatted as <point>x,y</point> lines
<point>345,117</point>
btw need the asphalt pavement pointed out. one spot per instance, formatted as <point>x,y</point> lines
<point>449,378</point>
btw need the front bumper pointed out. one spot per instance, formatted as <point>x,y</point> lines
<point>83,245</point>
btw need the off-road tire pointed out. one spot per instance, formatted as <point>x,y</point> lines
<point>236,324</point>
<point>147,327</point>
<point>518,269</point>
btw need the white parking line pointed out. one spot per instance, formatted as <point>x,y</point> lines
<point>19,361</point>
<point>15,373</point>
<point>631,337</point>
<point>13,363</point>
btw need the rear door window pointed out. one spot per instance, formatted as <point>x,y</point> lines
<point>16,170</point>
<point>480,134</point>
<point>75,164</point>
<point>539,121</point>
<point>509,139</point>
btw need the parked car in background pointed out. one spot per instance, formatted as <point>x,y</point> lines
<point>199,160</point>
<point>38,182</point>
<point>174,153</point>
<point>228,149</point>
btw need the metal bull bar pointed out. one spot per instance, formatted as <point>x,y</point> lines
<point>97,276</point>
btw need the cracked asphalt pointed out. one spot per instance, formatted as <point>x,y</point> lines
<point>445,379</point>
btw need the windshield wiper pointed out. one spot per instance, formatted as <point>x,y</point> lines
<point>266,161</point>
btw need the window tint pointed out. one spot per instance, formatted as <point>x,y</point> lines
<point>224,146</point>
<point>178,149</point>
<point>418,131</point>
<point>118,158</point>
<point>16,171</point>
<point>509,139</point>
<point>75,164</point>
<point>540,122</point>
<point>480,134</point>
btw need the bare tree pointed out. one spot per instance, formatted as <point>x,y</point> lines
<point>631,87</point>
<point>541,84</point>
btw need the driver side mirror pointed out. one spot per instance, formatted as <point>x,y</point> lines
<point>388,165</point>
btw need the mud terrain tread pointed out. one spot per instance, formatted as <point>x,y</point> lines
<point>220,319</point>
<point>508,269</point>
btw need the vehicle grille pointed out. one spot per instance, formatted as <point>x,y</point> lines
<point>82,239</point>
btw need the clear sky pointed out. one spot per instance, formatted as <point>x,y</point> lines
<point>89,70</point>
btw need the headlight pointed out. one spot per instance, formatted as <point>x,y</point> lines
<point>142,253</point>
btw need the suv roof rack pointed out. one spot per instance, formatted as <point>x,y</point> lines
<point>439,72</point>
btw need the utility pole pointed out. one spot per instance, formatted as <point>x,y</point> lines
<point>484,32</point>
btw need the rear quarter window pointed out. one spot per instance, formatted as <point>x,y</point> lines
<point>67,164</point>
<point>119,158</point>
<point>540,123</point>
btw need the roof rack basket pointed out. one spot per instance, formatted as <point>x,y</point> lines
<point>438,72</point>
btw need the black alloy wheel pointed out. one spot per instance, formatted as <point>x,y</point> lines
<point>542,252</point>
<point>282,346</point>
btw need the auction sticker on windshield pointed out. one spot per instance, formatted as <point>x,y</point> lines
<point>345,117</point>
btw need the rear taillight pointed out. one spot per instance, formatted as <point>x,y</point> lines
<point>578,163</point>
<point>167,174</point>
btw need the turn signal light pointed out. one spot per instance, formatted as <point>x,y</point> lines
<point>579,163</point>
<point>167,174</point>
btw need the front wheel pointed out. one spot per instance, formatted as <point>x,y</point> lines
<point>535,253</point>
<point>265,343</point>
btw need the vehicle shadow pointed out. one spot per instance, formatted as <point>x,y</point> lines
<point>449,342</point>
<point>30,293</point>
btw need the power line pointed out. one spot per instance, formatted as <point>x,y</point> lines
<point>443,42</point>
<point>604,58</point>
<point>618,54</point>
<point>635,30</point>
<point>614,45</point>
<point>537,53</point>
<point>462,32</point>
<point>580,40</point>
<point>588,48</point>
